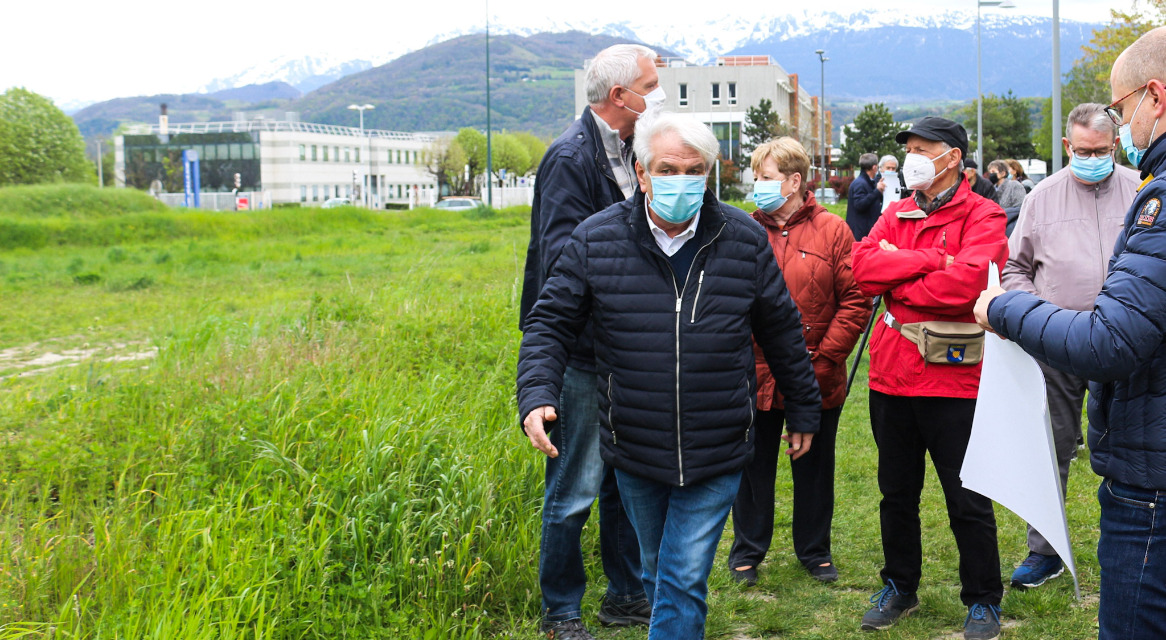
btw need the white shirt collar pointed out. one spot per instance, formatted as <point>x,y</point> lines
<point>671,245</point>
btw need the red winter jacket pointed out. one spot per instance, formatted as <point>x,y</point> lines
<point>813,251</point>
<point>917,285</point>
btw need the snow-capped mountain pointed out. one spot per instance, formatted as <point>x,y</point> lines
<point>698,44</point>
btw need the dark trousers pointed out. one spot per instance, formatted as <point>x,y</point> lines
<point>906,430</point>
<point>813,476</point>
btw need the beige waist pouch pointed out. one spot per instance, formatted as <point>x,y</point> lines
<point>943,342</point>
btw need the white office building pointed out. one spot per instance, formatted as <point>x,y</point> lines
<point>282,162</point>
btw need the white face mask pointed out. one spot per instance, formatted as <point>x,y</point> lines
<point>919,170</point>
<point>654,100</point>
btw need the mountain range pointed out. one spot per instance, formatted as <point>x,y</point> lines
<point>875,56</point>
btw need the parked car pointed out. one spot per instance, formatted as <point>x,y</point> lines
<point>332,203</point>
<point>458,204</point>
<point>826,196</point>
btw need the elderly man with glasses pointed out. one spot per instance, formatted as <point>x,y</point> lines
<point>1060,251</point>
<point>1119,345</point>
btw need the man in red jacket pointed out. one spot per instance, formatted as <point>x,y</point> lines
<point>928,257</point>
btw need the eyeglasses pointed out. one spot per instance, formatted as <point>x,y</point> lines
<point>1112,111</point>
<point>1090,153</point>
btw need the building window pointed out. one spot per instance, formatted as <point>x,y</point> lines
<point>732,93</point>
<point>313,153</point>
<point>683,94</point>
<point>303,152</point>
<point>303,188</point>
<point>390,154</point>
<point>358,154</point>
<point>336,156</point>
<point>716,94</point>
<point>315,192</point>
<point>347,154</point>
<point>325,153</point>
<point>398,156</point>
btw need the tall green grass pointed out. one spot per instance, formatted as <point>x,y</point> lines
<point>326,446</point>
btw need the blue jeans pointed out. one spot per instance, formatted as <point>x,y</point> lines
<point>1133,563</point>
<point>679,528</point>
<point>572,481</point>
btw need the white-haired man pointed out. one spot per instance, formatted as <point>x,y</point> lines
<point>676,286</point>
<point>1060,251</point>
<point>587,169</point>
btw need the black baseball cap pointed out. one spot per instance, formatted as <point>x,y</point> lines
<point>939,130</point>
<point>970,163</point>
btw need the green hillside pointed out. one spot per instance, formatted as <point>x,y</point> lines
<point>443,87</point>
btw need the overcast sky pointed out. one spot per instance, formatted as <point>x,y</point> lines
<point>72,50</point>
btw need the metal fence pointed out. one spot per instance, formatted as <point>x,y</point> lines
<point>216,201</point>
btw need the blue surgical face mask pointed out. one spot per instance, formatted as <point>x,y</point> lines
<point>1091,169</point>
<point>767,195</point>
<point>1127,136</point>
<point>676,199</point>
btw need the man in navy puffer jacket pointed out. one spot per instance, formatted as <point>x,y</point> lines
<point>676,286</point>
<point>1119,347</point>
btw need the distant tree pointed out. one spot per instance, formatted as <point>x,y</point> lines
<point>39,143</point>
<point>762,124</point>
<point>730,180</point>
<point>534,146</point>
<point>445,160</point>
<point>473,143</point>
<point>1007,127</point>
<point>510,154</point>
<point>873,131</point>
<point>1088,80</point>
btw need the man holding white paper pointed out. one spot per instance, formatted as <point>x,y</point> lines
<point>1120,347</point>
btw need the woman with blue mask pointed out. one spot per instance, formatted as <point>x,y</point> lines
<point>812,247</point>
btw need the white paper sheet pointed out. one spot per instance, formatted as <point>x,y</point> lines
<point>892,191</point>
<point>1011,458</point>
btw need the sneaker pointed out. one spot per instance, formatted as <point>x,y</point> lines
<point>828,573</point>
<point>613,614</point>
<point>747,577</point>
<point>566,630</point>
<point>889,606</point>
<point>982,623</point>
<point>1036,569</point>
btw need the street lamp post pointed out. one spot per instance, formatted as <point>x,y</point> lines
<point>1003,4</point>
<point>1055,149</point>
<point>368,158</point>
<point>822,118</point>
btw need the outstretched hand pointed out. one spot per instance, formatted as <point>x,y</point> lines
<point>981,308</point>
<point>535,427</point>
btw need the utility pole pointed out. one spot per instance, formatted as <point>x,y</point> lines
<point>822,117</point>
<point>1055,148</point>
<point>489,150</point>
<point>368,156</point>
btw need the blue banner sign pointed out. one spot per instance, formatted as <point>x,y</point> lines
<point>191,182</point>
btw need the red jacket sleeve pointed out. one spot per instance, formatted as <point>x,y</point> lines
<point>954,290</point>
<point>853,308</point>
<point>877,270</point>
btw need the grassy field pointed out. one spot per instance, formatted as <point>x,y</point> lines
<point>300,424</point>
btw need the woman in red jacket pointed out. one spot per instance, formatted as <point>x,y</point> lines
<point>812,247</point>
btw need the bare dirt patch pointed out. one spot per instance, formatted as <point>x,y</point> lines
<point>42,357</point>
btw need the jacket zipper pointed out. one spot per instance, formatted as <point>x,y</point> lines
<point>752,413</point>
<point>1100,242</point>
<point>679,303</point>
<point>699,283</point>
<point>610,424</point>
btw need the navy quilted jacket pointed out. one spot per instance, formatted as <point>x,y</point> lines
<point>1118,346</point>
<point>674,355</point>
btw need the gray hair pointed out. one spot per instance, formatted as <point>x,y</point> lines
<point>867,160</point>
<point>694,134</point>
<point>887,158</point>
<point>616,65</point>
<point>1090,115</point>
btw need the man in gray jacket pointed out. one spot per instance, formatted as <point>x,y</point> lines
<point>1060,251</point>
